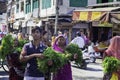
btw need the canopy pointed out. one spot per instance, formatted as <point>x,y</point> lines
<point>97,14</point>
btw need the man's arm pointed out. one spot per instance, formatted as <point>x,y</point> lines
<point>24,57</point>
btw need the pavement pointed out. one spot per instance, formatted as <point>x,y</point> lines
<point>92,72</point>
<point>3,75</point>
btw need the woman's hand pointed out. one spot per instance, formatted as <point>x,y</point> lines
<point>50,62</point>
<point>75,56</point>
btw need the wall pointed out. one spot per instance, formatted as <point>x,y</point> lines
<point>63,9</point>
<point>91,2</point>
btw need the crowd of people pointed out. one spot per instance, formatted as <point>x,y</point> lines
<point>40,41</point>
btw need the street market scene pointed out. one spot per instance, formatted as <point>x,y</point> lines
<point>59,39</point>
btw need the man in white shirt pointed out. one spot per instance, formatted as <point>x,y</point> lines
<point>79,41</point>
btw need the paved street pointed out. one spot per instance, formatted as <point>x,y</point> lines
<point>3,75</point>
<point>93,72</point>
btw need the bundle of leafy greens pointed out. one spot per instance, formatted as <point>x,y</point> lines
<point>52,62</point>
<point>21,43</point>
<point>74,49</point>
<point>111,64</point>
<point>6,46</point>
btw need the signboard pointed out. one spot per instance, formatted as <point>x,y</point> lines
<point>98,24</point>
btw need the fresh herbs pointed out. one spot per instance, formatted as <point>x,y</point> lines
<point>52,62</point>
<point>73,49</point>
<point>111,64</point>
<point>6,46</point>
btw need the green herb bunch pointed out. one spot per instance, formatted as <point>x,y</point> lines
<point>21,43</point>
<point>74,49</point>
<point>111,64</point>
<point>6,46</point>
<point>58,60</point>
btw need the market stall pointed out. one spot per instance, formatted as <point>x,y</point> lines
<point>100,20</point>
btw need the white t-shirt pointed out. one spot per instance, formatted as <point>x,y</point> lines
<point>90,49</point>
<point>79,41</point>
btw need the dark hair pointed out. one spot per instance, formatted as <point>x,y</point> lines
<point>44,32</point>
<point>78,33</point>
<point>36,28</point>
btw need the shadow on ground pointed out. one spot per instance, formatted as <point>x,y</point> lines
<point>87,78</point>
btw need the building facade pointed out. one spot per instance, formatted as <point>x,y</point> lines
<point>3,15</point>
<point>20,12</point>
<point>24,14</point>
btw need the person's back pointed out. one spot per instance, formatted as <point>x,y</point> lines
<point>79,41</point>
<point>91,48</point>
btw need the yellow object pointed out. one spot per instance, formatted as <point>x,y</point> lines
<point>53,40</point>
<point>102,45</point>
<point>20,36</point>
<point>95,15</point>
<point>83,16</point>
<point>114,76</point>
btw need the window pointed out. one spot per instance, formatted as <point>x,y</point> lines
<point>13,10</point>
<point>60,2</point>
<point>35,4</point>
<point>22,6</point>
<point>17,8</point>
<point>78,3</point>
<point>104,1</point>
<point>53,2</point>
<point>17,0</point>
<point>110,0</point>
<point>99,1</point>
<point>28,1</point>
<point>28,6</point>
<point>46,4</point>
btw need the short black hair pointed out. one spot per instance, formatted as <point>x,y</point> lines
<point>44,32</point>
<point>78,33</point>
<point>36,28</point>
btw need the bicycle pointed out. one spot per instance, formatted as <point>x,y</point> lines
<point>4,65</point>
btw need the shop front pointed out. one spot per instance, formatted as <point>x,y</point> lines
<point>100,25</point>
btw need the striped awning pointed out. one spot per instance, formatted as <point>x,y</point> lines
<point>93,14</point>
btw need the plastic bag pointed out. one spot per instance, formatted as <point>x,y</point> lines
<point>114,76</point>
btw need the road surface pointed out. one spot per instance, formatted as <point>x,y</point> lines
<point>93,72</point>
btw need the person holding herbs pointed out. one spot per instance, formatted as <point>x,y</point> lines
<point>30,52</point>
<point>16,69</point>
<point>113,51</point>
<point>65,72</point>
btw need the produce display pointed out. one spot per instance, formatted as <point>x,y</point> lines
<point>111,64</point>
<point>73,49</point>
<point>52,62</point>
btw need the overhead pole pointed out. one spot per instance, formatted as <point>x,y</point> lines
<point>56,17</point>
